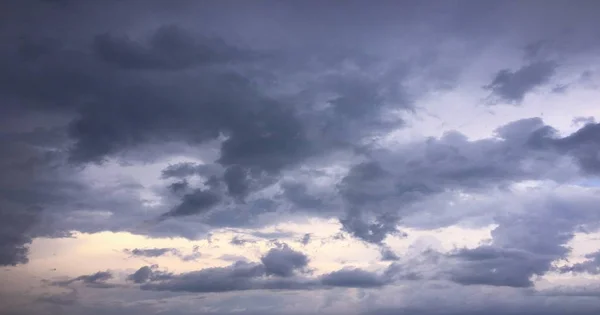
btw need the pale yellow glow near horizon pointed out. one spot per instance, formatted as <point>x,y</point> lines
<point>88,253</point>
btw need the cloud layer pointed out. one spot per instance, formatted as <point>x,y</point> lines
<point>249,129</point>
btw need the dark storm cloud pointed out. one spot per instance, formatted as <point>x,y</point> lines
<point>32,180</point>
<point>14,234</point>
<point>169,48</point>
<point>120,89</point>
<point>512,86</point>
<point>141,80</point>
<point>284,261</point>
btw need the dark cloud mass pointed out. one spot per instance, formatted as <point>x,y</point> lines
<point>185,118</point>
<point>512,86</point>
<point>353,278</point>
<point>169,48</point>
<point>284,261</point>
<point>275,272</point>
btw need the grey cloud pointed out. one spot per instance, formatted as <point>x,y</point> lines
<point>583,146</point>
<point>237,277</point>
<point>388,255</point>
<point>584,120</point>
<point>306,239</point>
<point>69,298</point>
<point>311,97</point>
<point>284,261</point>
<point>272,235</point>
<point>96,280</point>
<point>371,231</point>
<point>279,262</point>
<point>99,276</point>
<point>512,86</point>
<point>196,202</point>
<point>179,187</point>
<point>243,276</point>
<point>193,256</point>
<point>14,235</point>
<point>355,278</point>
<point>233,258</point>
<point>148,273</point>
<point>159,252</point>
<point>537,309</point>
<point>151,252</point>
<point>141,275</point>
<point>236,179</point>
<point>115,110</point>
<point>590,266</point>
<point>33,180</point>
<point>498,267</point>
<point>297,194</point>
<point>525,245</point>
<point>186,169</point>
<point>169,48</point>
<point>238,241</point>
<point>379,191</point>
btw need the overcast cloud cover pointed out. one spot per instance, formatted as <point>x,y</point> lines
<point>299,157</point>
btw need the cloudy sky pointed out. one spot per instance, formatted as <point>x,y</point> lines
<point>299,157</point>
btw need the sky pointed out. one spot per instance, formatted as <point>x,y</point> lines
<point>299,157</point>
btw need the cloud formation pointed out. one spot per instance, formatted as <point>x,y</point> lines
<point>286,123</point>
